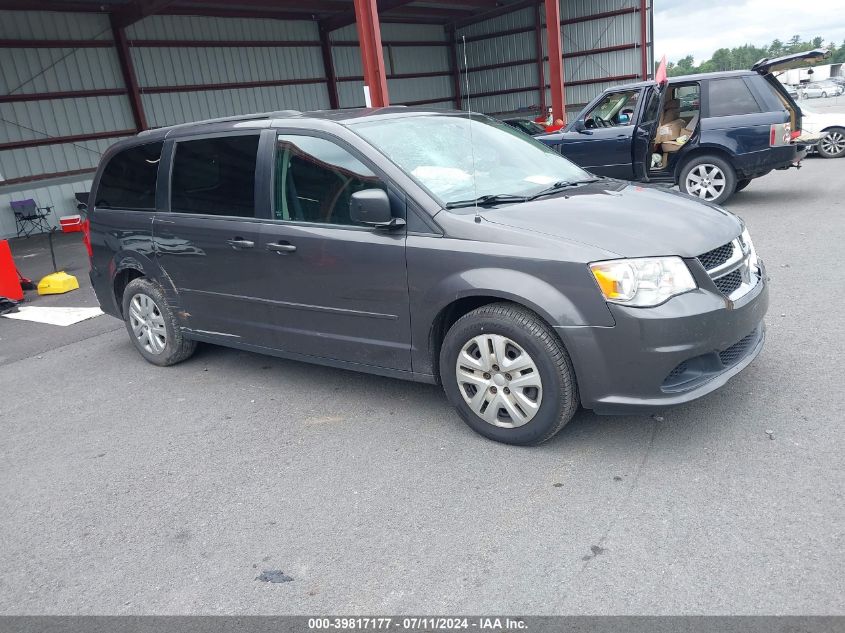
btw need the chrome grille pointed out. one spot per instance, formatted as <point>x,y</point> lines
<point>731,269</point>
<point>717,257</point>
<point>729,282</point>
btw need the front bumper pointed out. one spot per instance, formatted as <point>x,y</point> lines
<point>664,356</point>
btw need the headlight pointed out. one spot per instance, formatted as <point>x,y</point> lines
<point>644,282</point>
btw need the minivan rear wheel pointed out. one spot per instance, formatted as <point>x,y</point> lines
<point>708,177</point>
<point>508,375</point>
<point>152,326</point>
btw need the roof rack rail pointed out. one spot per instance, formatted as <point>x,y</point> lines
<point>277,114</point>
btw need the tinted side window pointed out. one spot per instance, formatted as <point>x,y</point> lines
<point>215,176</point>
<point>315,179</point>
<point>731,96</point>
<point>129,179</point>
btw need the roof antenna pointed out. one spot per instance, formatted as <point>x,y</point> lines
<point>471,144</point>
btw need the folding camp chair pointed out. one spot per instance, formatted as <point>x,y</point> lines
<point>29,217</point>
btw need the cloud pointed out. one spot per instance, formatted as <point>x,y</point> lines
<point>683,27</point>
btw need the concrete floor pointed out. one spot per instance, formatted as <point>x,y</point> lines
<point>131,489</point>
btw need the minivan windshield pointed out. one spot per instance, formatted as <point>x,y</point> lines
<point>443,153</point>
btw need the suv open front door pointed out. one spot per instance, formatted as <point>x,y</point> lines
<point>646,129</point>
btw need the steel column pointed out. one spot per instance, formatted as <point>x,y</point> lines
<point>555,59</point>
<point>372,58</point>
<point>644,39</point>
<point>126,68</point>
<point>328,67</point>
<point>455,68</point>
<point>538,41</point>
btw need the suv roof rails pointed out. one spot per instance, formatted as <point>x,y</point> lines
<point>277,114</point>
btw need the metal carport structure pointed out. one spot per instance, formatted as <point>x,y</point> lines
<point>77,75</point>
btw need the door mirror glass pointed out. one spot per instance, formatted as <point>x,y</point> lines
<point>579,126</point>
<point>370,207</point>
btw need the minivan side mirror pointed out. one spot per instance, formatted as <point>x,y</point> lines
<point>372,207</point>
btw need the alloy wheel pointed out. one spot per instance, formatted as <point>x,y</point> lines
<point>499,380</point>
<point>147,323</point>
<point>706,181</point>
<point>833,143</point>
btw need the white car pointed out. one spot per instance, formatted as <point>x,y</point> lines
<point>823,90</point>
<point>826,130</point>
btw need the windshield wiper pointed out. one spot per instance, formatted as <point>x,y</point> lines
<point>563,184</point>
<point>481,201</point>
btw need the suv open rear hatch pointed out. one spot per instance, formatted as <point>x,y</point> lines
<point>795,60</point>
<point>788,133</point>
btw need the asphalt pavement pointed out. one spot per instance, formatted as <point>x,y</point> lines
<point>131,489</point>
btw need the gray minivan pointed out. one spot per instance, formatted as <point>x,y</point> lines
<point>433,246</point>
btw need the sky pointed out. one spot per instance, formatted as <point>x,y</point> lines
<point>699,27</point>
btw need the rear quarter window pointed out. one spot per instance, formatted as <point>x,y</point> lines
<point>728,97</point>
<point>129,179</point>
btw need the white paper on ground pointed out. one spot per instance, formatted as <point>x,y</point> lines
<point>54,316</point>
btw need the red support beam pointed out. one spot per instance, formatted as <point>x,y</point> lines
<point>555,49</point>
<point>643,39</point>
<point>126,68</point>
<point>233,85</point>
<point>372,59</point>
<point>455,68</point>
<point>56,140</point>
<point>67,94</point>
<point>538,49</point>
<point>59,174</point>
<point>328,68</point>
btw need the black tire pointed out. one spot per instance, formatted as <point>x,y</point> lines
<point>710,159</point>
<point>824,95</point>
<point>559,400</point>
<point>176,347</point>
<point>831,152</point>
<point>742,184</point>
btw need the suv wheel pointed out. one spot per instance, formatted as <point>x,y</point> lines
<point>708,177</point>
<point>833,144</point>
<point>152,325</point>
<point>824,95</point>
<point>508,375</point>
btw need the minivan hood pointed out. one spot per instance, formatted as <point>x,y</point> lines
<point>629,220</point>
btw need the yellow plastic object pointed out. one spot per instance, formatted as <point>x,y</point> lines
<point>57,283</point>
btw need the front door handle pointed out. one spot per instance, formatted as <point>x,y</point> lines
<point>281,247</point>
<point>239,243</point>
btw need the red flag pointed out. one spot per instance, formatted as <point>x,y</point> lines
<point>660,77</point>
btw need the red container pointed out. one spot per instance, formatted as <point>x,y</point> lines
<point>71,224</point>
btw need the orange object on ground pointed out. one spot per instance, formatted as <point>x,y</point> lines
<point>10,285</point>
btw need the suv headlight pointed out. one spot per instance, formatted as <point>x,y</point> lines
<point>642,282</point>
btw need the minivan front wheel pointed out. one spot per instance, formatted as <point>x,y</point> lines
<point>508,375</point>
<point>708,177</point>
<point>152,326</point>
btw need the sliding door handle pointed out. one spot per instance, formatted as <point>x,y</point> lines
<point>239,243</point>
<point>281,248</point>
